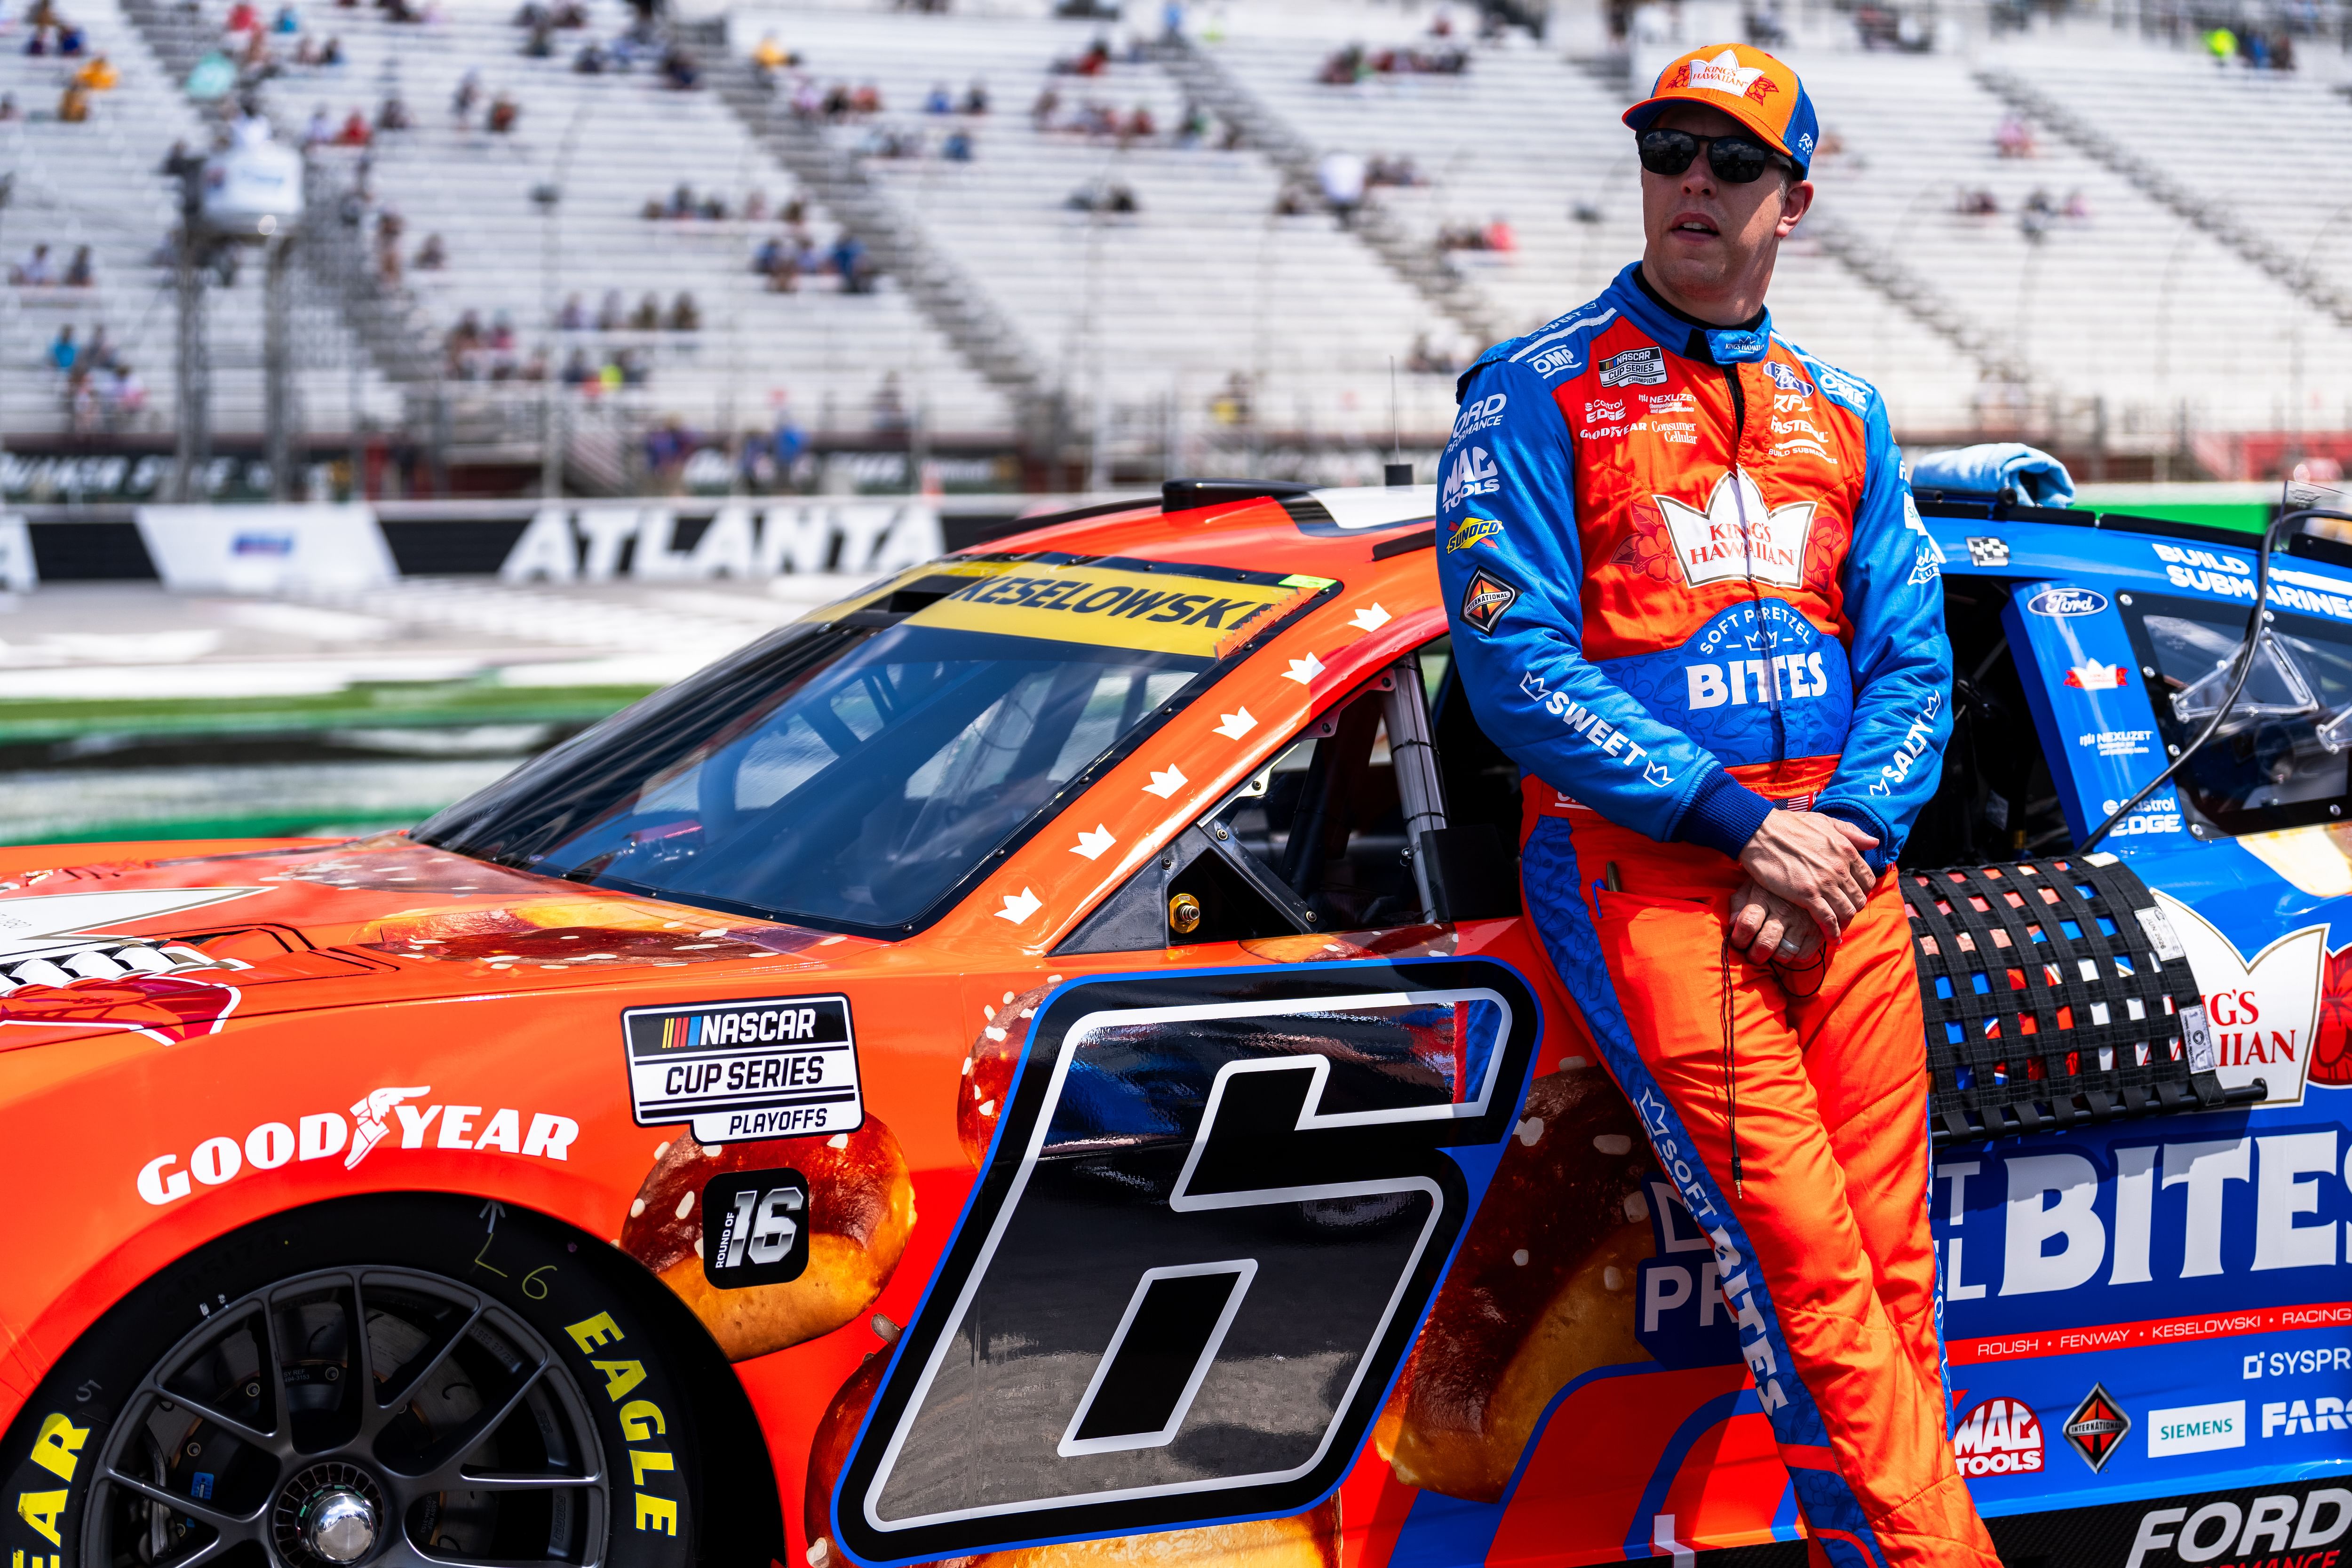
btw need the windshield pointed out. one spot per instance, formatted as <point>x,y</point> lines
<point>2282,757</point>
<point>857,769</point>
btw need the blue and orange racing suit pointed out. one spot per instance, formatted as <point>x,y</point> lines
<point>1687,585</point>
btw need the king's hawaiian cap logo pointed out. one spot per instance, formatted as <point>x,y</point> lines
<point>1737,536</point>
<point>1724,73</point>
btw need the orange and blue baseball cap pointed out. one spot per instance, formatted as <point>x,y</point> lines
<point>1760,92</point>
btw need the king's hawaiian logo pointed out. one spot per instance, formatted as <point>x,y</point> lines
<point>1726,74</point>
<point>1737,536</point>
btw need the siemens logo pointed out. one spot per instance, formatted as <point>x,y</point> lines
<point>2197,1428</point>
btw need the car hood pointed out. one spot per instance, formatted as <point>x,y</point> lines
<point>172,948</point>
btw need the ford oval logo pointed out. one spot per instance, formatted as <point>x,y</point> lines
<point>2066,602</point>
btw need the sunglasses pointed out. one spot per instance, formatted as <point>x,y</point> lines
<point>1736,160</point>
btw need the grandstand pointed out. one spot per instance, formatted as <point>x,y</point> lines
<point>100,183</point>
<point>1126,269</point>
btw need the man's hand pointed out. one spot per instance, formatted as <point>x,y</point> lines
<point>1766,929</point>
<point>1813,862</point>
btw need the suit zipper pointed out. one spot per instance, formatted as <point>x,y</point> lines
<point>1771,692</point>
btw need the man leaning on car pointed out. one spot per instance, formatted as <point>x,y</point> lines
<point>1693,600</point>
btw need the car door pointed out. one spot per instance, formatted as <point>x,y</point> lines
<point>1227,1164</point>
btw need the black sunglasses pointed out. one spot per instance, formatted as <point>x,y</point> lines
<point>1736,160</point>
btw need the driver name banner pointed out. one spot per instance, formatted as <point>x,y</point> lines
<point>778,1067</point>
<point>1150,611</point>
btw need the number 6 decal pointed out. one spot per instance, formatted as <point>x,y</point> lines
<point>1215,1210</point>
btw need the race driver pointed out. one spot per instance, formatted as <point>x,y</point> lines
<point>1693,600</point>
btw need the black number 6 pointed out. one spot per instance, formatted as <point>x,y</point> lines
<point>1215,1212</point>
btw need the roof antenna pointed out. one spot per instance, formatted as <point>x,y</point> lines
<point>1399,472</point>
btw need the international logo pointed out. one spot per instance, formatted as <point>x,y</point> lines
<point>1470,530</point>
<point>2001,1436</point>
<point>2063,601</point>
<point>1634,367</point>
<point>2097,1427</point>
<point>1737,537</point>
<point>1485,598</point>
<point>2096,677</point>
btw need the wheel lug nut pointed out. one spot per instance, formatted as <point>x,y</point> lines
<point>333,1372</point>
<point>196,1449</point>
<point>253,1391</point>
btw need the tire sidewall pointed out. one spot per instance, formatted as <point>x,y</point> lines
<point>556,1281</point>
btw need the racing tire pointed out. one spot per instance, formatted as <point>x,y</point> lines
<point>515,1398</point>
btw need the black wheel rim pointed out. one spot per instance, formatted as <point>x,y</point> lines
<point>354,1418</point>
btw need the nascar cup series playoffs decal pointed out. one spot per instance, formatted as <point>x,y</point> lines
<point>779,1067</point>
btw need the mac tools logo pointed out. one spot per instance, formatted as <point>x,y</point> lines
<point>1737,536</point>
<point>1474,474</point>
<point>1998,1437</point>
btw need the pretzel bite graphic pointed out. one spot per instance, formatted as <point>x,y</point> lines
<point>861,1207</point>
<point>1310,1539</point>
<point>988,1071</point>
<point>1543,1290</point>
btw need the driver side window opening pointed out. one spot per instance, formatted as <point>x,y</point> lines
<point>1347,829</point>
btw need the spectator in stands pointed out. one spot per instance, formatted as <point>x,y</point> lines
<point>8,110</point>
<point>975,98</point>
<point>504,112</point>
<point>2014,138</point>
<point>958,147</point>
<point>774,258</point>
<point>1096,59</point>
<point>79,271</point>
<point>1427,360</point>
<point>2223,45</point>
<point>577,370</point>
<point>1341,176</point>
<point>770,58</point>
<point>355,132</point>
<point>432,256</point>
<point>125,396</point>
<point>540,45</point>
<point>1042,111</point>
<point>2078,206</point>
<point>320,129</point>
<point>683,315</point>
<point>1232,406</point>
<point>613,314</point>
<point>851,265</point>
<point>573,316</point>
<point>243,18</point>
<point>647,317</point>
<point>331,55</point>
<point>1399,171</point>
<point>73,105</point>
<point>590,59</point>
<point>389,226</point>
<point>630,365</point>
<point>1139,126</point>
<point>939,101</point>
<point>98,353</point>
<point>462,102</point>
<point>890,404</point>
<point>62,354</point>
<point>867,100</point>
<point>1499,235</point>
<point>394,114</point>
<point>679,71</point>
<point>462,349</point>
<point>98,75</point>
<point>1294,200</point>
<point>1979,202</point>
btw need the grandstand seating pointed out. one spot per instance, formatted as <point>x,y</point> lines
<point>1161,307</point>
<point>2127,318</point>
<point>611,143</point>
<point>99,184</point>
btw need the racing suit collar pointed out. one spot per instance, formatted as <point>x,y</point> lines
<point>1702,340</point>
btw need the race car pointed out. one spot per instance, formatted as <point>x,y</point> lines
<point>1042,1062</point>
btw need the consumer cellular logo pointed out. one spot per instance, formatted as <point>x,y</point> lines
<point>2067,602</point>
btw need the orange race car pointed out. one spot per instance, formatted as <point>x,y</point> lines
<point>1038,1062</point>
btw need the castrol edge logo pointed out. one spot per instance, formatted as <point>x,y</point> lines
<point>1737,537</point>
